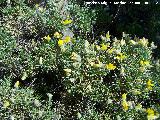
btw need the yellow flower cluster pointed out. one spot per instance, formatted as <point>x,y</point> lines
<point>58,35</point>
<point>66,22</point>
<point>104,46</point>
<point>149,84</point>
<point>60,42</point>
<point>144,63</point>
<point>120,56</point>
<point>124,96</point>
<point>151,114</point>
<point>124,103</point>
<point>47,38</point>
<point>67,39</point>
<point>110,66</point>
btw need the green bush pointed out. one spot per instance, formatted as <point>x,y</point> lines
<point>100,74</point>
<point>106,79</point>
<point>19,103</point>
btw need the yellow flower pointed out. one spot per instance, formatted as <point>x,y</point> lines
<point>152,117</point>
<point>67,39</point>
<point>66,22</point>
<point>104,46</point>
<point>124,96</point>
<point>143,41</point>
<point>107,35</point>
<point>48,38</point>
<point>6,104</point>
<point>60,42</point>
<point>67,70</point>
<point>151,114</point>
<point>110,66</point>
<point>144,63</point>
<point>149,84</point>
<point>141,62</point>
<point>16,85</point>
<point>125,105</point>
<point>120,56</point>
<point>57,35</point>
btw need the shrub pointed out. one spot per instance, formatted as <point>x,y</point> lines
<point>100,74</point>
<point>21,103</point>
<point>106,79</point>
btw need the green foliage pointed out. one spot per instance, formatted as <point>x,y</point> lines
<point>52,72</point>
<point>88,78</point>
<point>22,103</point>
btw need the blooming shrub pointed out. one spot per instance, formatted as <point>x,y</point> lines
<point>106,79</point>
<point>101,74</point>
